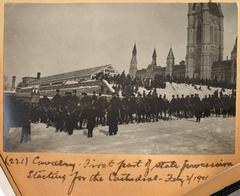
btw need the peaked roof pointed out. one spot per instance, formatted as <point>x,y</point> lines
<point>154,53</point>
<point>72,74</point>
<point>170,54</point>
<point>134,56</point>
<point>134,49</point>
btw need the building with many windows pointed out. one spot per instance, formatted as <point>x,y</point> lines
<point>85,80</point>
<point>204,55</point>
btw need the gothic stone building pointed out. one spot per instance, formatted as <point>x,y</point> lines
<point>172,69</point>
<point>226,70</point>
<point>204,40</point>
<point>204,55</point>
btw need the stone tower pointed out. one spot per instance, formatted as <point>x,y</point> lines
<point>170,63</point>
<point>133,63</point>
<point>204,40</point>
<point>234,63</point>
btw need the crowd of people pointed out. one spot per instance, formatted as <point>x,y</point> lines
<point>70,112</point>
<point>130,85</point>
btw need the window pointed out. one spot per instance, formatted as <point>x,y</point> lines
<point>211,34</point>
<point>216,36</point>
<point>199,32</point>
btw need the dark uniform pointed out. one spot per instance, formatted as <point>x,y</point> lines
<point>155,106</point>
<point>173,105</point>
<point>44,105</point>
<point>59,118</point>
<point>57,99</point>
<point>206,106</point>
<point>26,123</point>
<point>91,120</point>
<point>113,114</point>
<point>148,106</point>
<point>140,108</point>
<point>178,106</point>
<point>101,109</point>
<point>165,106</point>
<point>182,107</point>
<point>198,108</point>
<point>160,106</point>
<point>85,103</point>
<point>69,122</point>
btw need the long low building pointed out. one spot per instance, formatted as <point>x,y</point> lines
<point>79,75</point>
<point>85,80</point>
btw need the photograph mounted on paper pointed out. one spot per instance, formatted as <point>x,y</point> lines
<point>120,78</point>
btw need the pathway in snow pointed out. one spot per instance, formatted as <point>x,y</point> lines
<point>211,136</point>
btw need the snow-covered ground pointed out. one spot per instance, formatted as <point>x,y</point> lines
<point>211,136</point>
<point>185,89</point>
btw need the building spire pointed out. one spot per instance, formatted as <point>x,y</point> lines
<point>133,63</point>
<point>154,58</point>
<point>134,52</point>
<point>154,53</point>
<point>170,54</point>
<point>170,63</point>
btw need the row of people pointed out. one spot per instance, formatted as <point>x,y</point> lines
<point>71,112</point>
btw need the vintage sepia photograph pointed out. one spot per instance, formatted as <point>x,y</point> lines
<point>124,78</point>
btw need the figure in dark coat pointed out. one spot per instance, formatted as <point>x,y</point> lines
<point>91,120</point>
<point>59,118</point>
<point>100,109</point>
<point>26,124</point>
<point>198,108</point>
<point>57,99</point>
<point>140,108</point>
<point>70,122</point>
<point>113,114</point>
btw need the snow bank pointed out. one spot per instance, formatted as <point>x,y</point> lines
<point>185,89</point>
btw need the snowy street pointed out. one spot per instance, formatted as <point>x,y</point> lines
<point>211,136</point>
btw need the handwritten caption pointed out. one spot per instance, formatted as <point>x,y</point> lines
<point>148,171</point>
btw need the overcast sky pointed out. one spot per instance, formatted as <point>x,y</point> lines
<point>53,39</point>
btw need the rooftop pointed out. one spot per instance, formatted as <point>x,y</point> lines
<point>72,74</point>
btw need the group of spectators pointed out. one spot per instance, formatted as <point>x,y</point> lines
<point>70,112</point>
